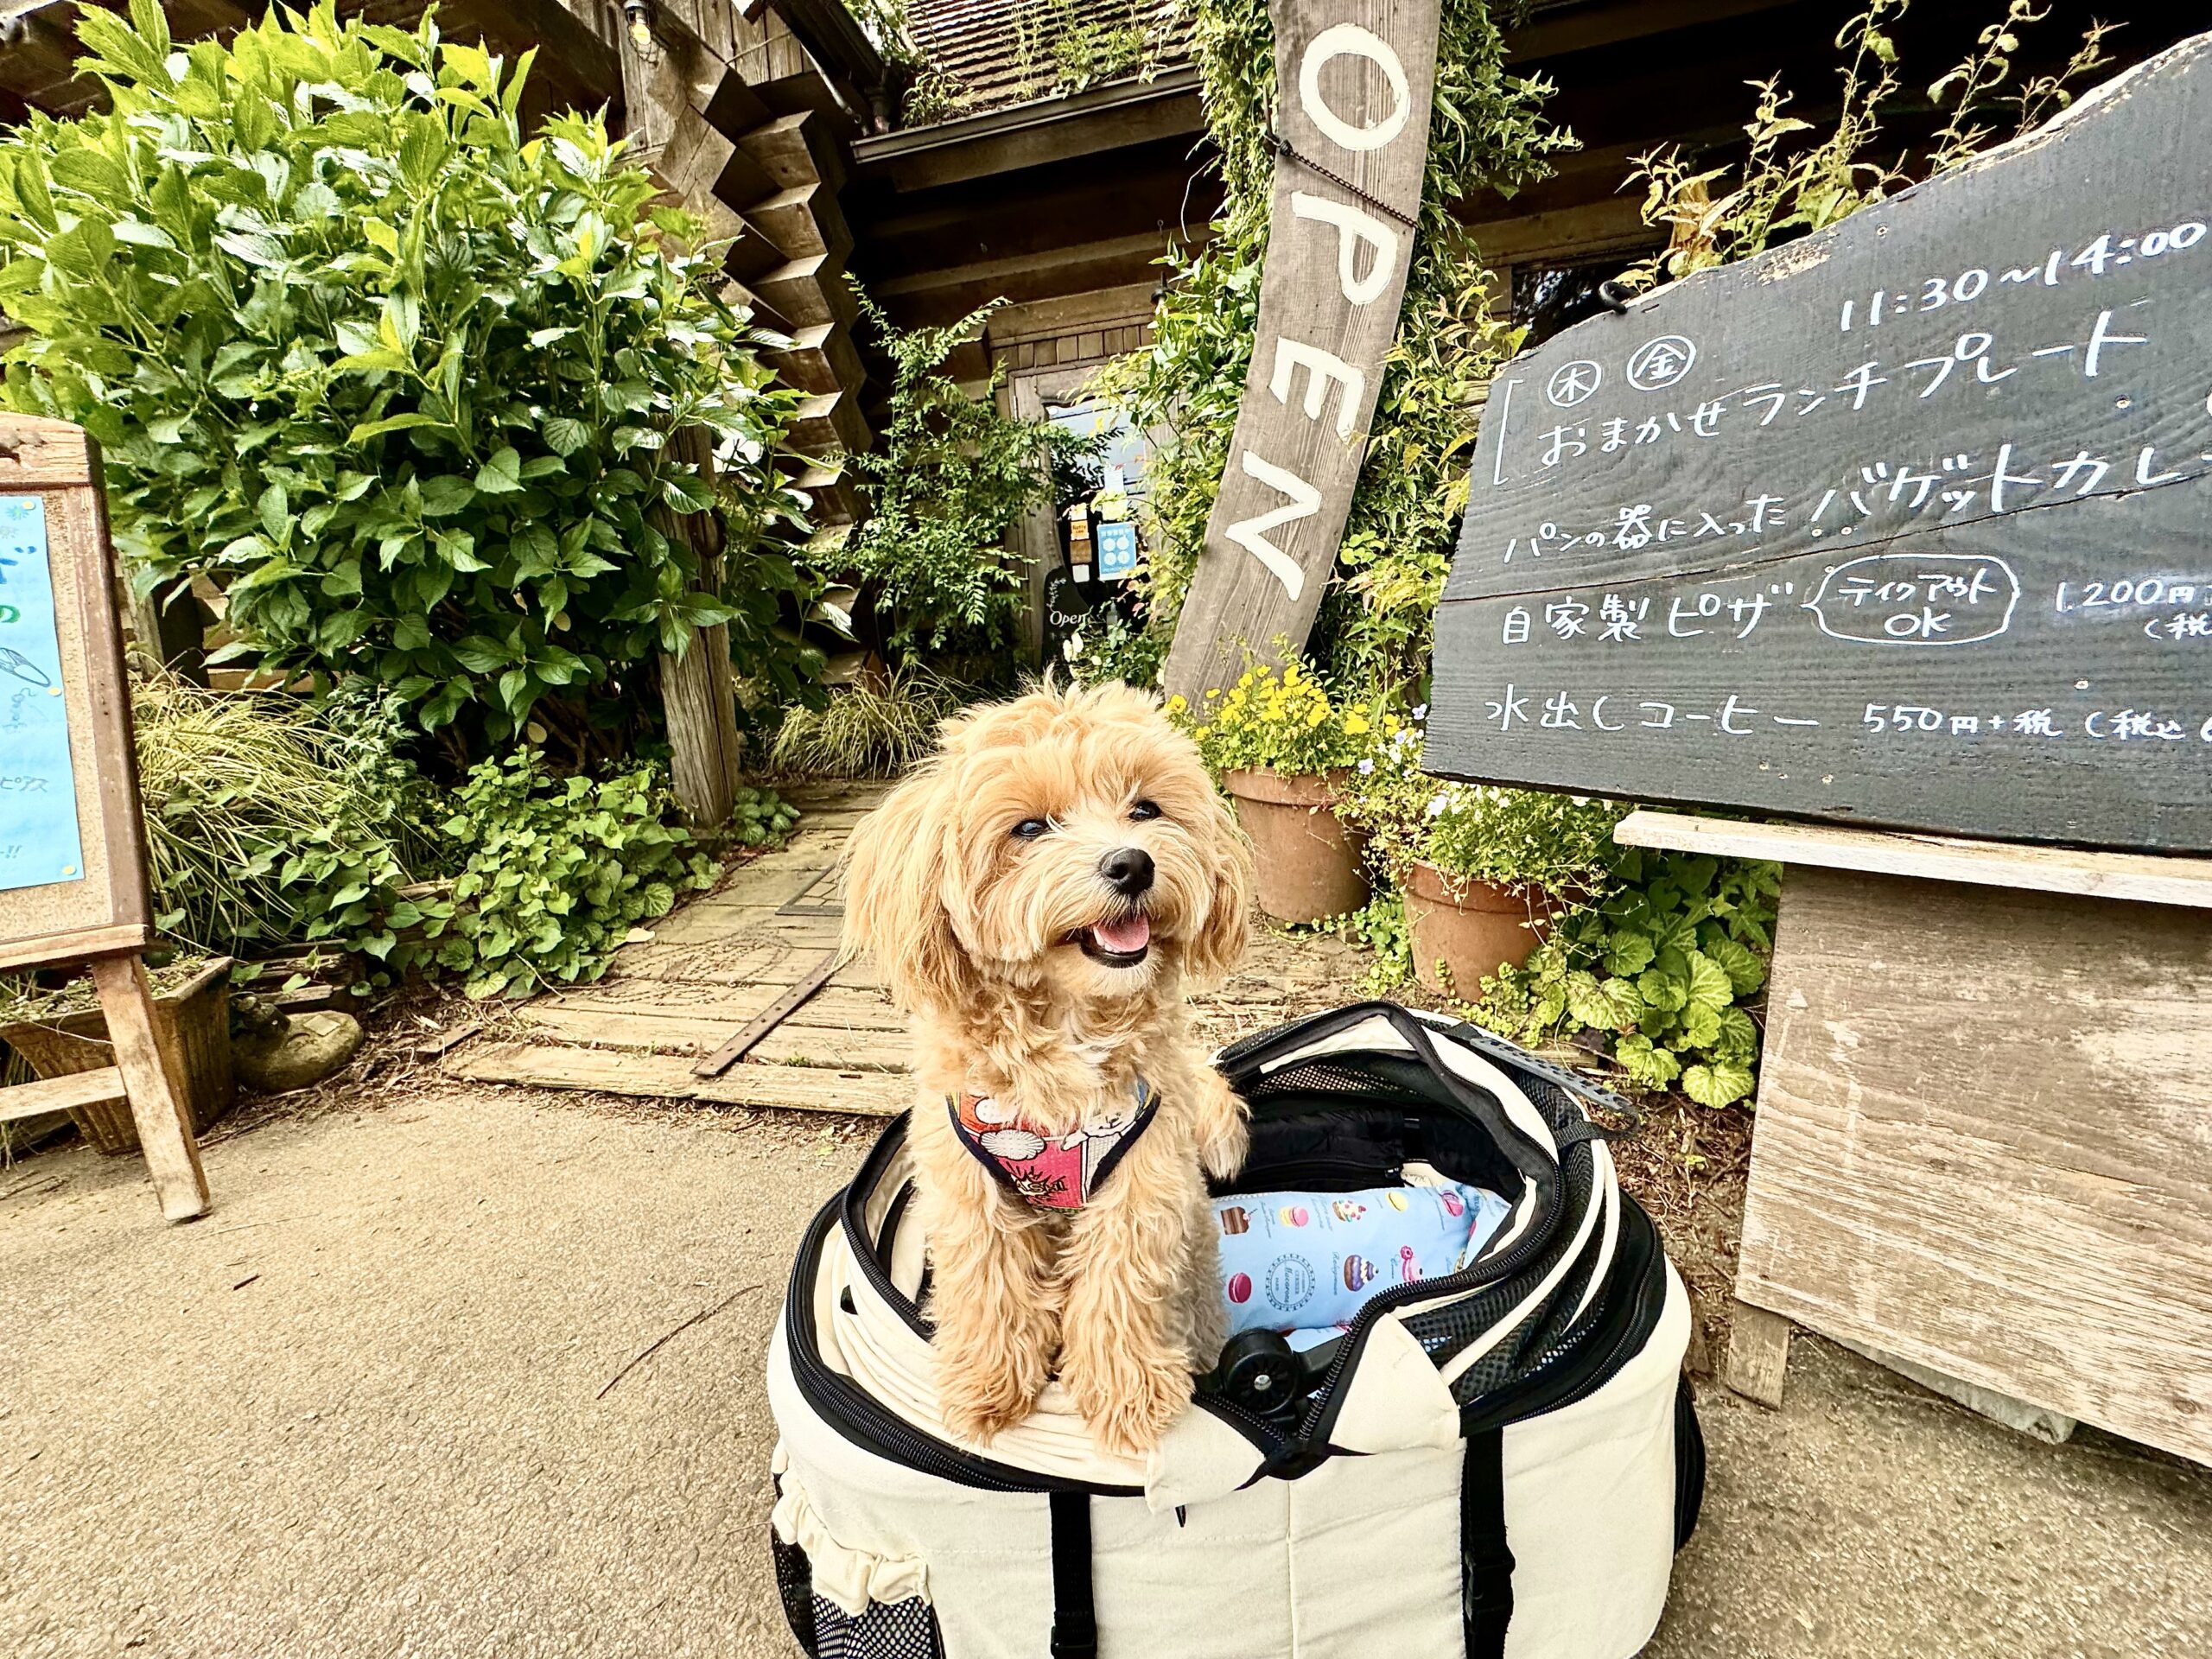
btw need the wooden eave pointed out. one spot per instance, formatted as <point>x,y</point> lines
<point>1034,134</point>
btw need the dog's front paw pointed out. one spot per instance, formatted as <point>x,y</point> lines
<point>980,1405</point>
<point>1129,1403</point>
<point>1223,1152</point>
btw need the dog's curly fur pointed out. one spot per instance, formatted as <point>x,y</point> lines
<point>976,930</point>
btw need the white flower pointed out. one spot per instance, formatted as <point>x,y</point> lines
<point>1366,766</point>
<point>1421,711</point>
<point>1436,807</point>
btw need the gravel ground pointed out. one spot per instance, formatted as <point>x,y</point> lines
<point>376,1404</point>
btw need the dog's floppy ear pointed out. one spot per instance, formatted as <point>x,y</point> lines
<point>1213,955</point>
<point>894,876</point>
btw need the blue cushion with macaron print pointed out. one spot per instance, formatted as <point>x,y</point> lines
<point>1310,1261</point>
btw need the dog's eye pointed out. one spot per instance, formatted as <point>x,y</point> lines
<point>1144,809</point>
<point>1030,829</point>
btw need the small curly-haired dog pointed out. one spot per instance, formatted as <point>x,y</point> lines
<point>1039,897</point>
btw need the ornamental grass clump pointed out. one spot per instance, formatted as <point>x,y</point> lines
<point>399,381</point>
<point>270,823</point>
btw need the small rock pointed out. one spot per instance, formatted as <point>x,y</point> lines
<point>303,1051</point>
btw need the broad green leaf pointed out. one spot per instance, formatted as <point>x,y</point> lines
<point>368,429</point>
<point>1746,973</point>
<point>565,435</point>
<point>1722,1082</point>
<point>1653,1067</point>
<point>502,474</point>
<point>1605,1005</point>
<point>1709,986</point>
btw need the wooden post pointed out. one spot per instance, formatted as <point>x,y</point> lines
<point>707,753</point>
<point>1343,213</point>
<point>1759,1354</point>
<point>150,1083</point>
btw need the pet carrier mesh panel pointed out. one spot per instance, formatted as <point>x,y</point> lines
<point>1500,1463</point>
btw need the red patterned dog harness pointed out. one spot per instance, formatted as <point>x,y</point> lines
<point>1055,1172</point>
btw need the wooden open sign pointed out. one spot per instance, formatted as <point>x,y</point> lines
<point>72,860</point>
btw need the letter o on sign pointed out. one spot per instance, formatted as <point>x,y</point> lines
<point>1350,40</point>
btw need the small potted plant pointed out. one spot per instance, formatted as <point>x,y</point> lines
<point>1483,870</point>
<point>1281,748</point>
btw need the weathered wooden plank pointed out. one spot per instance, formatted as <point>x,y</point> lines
<point>795,150</point>
<point>812,1089</point>
<point>803,1041</point>
<point>1983,1126</point>
<point>794,1087</point>
<point>99,1087</point>
<point>2140,876</point>
<point>1354,114</point>
<point>1901,523</point>
<point>662,1032</point>
<point>741,961</point>
<point>739,1042</point>
<point>150,1082</point>
<point>1759,1354</point>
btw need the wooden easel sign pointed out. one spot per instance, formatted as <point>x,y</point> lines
<point>73,869</point>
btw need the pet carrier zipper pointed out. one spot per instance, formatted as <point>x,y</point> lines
<point>1588,1372</point>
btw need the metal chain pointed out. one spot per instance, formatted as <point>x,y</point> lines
<point>1282,146</point>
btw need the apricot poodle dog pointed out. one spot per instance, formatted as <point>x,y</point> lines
<point>1040,896</point>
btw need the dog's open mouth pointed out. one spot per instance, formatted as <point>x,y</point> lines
<point>1122,944</point>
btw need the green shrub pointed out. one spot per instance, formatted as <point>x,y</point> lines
<point>949,479</point>
<point>1662,969</point>
<point>399,381</point>
<point>557,871</point>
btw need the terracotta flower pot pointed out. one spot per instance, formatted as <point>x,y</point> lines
<point>195,1018</point>
<point>1474,928</point>
<point>1309,863</point>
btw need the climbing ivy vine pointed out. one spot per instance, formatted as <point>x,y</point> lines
<point>1487,132</point>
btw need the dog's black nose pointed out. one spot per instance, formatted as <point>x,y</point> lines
<point>1128,870</point>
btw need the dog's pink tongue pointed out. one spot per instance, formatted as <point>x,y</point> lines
<point>1123,937</point>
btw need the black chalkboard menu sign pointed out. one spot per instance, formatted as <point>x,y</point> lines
<point>1907,523</point>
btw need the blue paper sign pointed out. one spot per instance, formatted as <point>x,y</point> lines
<point>39,840</point>
<point>1117,550</point>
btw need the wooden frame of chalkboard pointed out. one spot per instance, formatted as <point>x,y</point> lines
<point>64,642</point>
<point>105,908</point>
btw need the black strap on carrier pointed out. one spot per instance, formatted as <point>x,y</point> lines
<point>1488,1581</point>
<point>1074,1620</point>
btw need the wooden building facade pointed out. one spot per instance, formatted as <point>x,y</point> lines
<point>1052,152</point>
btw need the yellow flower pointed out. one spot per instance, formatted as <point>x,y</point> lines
<point>1177,703</point>
<point>1355,725</point>
<point>1320,716</point>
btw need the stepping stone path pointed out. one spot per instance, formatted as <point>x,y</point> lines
<point>715,964</point>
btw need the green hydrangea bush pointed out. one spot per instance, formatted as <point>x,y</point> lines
<point>399,380</point>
